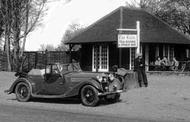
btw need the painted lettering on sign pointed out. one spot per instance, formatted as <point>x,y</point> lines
<point>127,40</point>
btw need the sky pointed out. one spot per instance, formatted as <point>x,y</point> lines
<point>60,15</point>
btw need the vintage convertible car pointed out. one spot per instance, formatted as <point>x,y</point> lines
<point>66,80</point>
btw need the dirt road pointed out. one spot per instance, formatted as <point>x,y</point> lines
<point>166,99</point>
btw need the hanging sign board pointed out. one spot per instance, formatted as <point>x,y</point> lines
<point>127,40</point>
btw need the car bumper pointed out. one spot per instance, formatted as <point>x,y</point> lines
<point>108,93</point>
<point>7,91</point>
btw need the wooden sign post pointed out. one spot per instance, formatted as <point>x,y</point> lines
<point>126,40</point>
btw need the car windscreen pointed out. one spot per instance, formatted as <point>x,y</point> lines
<point>69,67</point>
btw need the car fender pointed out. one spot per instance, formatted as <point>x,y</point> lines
<point>18,80</point>
<point>76,90</point>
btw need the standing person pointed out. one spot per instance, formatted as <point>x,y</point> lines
<point>139,68</point>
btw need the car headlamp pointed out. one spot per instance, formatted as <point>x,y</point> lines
<point>104,79</point>
<point>100,78</point>
<point>111,77</point>
<point>114,87</point>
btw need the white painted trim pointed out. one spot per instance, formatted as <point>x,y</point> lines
<point>138,36</point>
<point>124,29</point>
<point>93,69</point>
<point>130,58</point>
<point>100,58</point>
<point>100,69</point>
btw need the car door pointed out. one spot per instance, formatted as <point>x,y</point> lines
<point>54,82</point>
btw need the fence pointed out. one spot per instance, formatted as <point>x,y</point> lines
<point>38,59</point>
<point>3,61</point>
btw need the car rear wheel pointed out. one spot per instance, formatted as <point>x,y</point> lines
<point>23,92</point>
<point>89,96</point>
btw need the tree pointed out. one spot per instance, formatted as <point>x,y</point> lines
<point>33,14</point>
<point>19,18</point>
<point>177,14</point>
<point>47,47</point>
<point>174,12</point>
<point>73,30</point>
<point>5,14</point>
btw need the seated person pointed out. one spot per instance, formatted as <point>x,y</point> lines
<point>157,63</point>
<point>174,64</point>
<point>75,65</point>
<point>59,67</point>
<point>114,68</point>
<point>55,69</point>
<point>164,63</point>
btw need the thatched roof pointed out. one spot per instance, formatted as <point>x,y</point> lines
<point>153,30</point>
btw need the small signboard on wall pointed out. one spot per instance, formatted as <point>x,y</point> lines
<point>127,40</point>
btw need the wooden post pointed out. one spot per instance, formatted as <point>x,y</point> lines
<point>70,52</point>
<point>168,48</point>
<point>120,26</point>
<point>138,36</point>
<point>28,55</point>
<point>187,53</point>
<point>36,59</point>
<point>45,61</point>
<point>157,50</point>
<point>147,57</point>
<point>164,50</point>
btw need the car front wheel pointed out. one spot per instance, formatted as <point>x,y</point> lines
<point>89,96</point>
<point>22,92</point>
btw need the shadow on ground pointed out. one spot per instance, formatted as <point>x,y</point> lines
<point>74,100</point>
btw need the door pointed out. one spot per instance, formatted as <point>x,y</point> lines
<point>100,60</point>
<point>54,83</point>
<point>125,58</point>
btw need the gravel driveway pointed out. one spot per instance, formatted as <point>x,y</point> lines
<point>167,98</point>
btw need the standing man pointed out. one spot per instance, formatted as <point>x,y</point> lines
<point>139,68</point>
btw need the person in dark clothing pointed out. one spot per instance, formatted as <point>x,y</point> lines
<point>139,68</point>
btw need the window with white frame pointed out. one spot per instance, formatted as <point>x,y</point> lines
<point>100,61</point>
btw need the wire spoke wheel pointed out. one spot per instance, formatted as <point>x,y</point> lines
<point>22,92</point>
<point>89,96</point>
